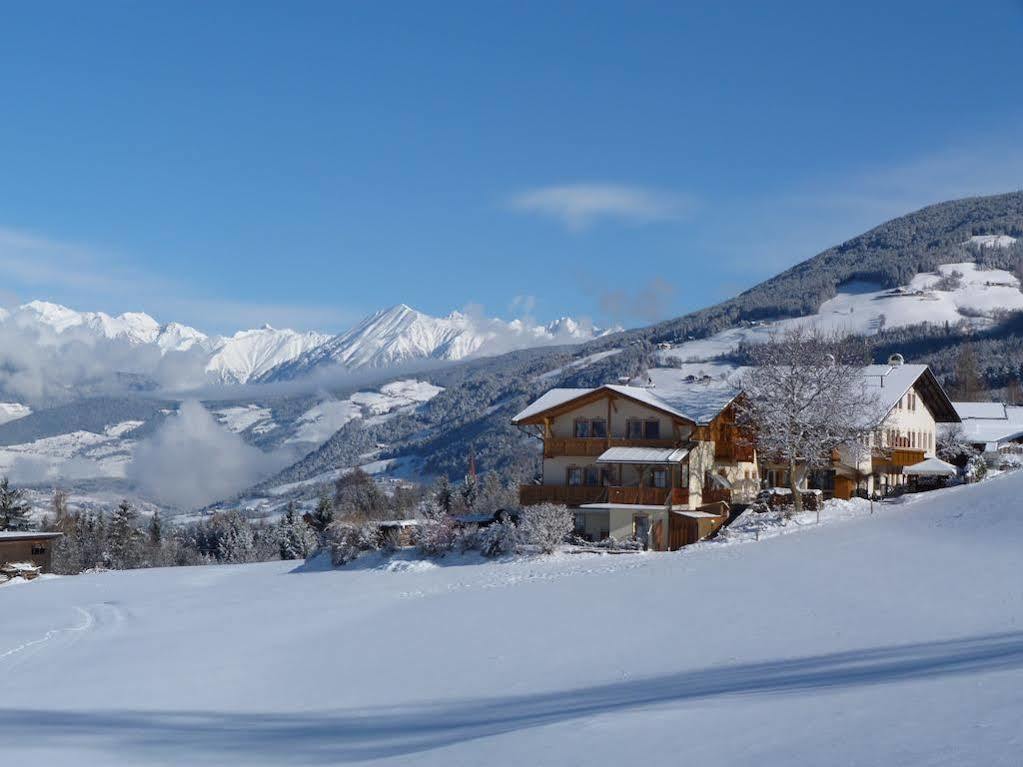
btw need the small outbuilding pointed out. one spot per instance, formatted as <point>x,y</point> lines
<point>29,546</point>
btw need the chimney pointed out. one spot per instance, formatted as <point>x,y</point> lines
<point>895,360</point>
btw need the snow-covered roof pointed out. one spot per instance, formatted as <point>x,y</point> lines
<point>548,400</point>
<point>643,455</point>
<point>931,467</point>
<point>891,382</point>
<point>26,535</point>
<point>978,410</point>
<point>991,432</point>
<point>699,402</point>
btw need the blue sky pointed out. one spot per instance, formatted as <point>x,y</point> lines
<point>229,164</point>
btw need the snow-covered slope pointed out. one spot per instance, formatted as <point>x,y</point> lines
<point>884,639</point>
<point>402,334</point>
<point>958,292</point>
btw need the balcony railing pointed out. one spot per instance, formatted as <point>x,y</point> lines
<point>570,495</point>
<point>715,494</point>
<point>896,457</point>
<point>648,496</point>
<point>594,446</point>
<point>576,495</point>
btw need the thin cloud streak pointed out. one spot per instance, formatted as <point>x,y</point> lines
<point>34,266</point>
<point>579,206</point>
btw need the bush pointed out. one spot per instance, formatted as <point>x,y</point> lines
<point>544,526</point>
<point>347,540</point>
<point>498,538</point>
<point>436,537</point>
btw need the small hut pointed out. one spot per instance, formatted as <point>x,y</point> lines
<point>929,474</point>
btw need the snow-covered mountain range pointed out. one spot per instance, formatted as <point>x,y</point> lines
<point>75,347</point>
<point>402,334</point>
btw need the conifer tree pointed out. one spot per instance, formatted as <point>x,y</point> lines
<point>442,495</point>
<point>125,537</point>
<point>14,509</point>
<point>323,514</point>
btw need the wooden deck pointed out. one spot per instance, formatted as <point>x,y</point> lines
<point>576,495</point>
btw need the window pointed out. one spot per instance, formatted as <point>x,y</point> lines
<point>580,524</point>
<point>590,427</point>
<point>635,428</point>
<point>652,430</point>
<point>575,475</point>
<point>591,475</point>
<point>659,478</point>
<point>38,549</point>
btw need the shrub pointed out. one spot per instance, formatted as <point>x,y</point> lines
<point>497,539</point>
<point>436,537</point>
<point>544,526</point>
<point>347,540</point>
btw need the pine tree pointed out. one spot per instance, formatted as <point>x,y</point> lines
<point>323,514</point>
<point>442,495</point>
<point>295,539</point>
<point>155,531</point>
<point>125,537</point>
<point>470,492</point>
<point>14,509</point>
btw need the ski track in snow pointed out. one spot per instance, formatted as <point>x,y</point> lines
<point>86,625</point>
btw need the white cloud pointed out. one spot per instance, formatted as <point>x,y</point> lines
<point>578,206</point>
<point>192,460</point>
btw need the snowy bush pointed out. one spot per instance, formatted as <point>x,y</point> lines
<point>467,538</point>
<point>436,537</point>
<point>544,526</point>
<point>347,540</point>
<point>498,538</point>
<point>976,468</point>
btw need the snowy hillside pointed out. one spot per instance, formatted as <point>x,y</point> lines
<point>402,334</point>
<point>957,292</point>
<point>891,639</point>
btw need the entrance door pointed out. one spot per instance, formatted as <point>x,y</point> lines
<point>844,487</point>
<point>641,526</point>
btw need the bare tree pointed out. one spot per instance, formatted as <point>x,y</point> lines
<point>805,397</point>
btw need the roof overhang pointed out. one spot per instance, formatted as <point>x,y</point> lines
<point>644,455</point>
<point>936,399</point>
<point>594,395</point>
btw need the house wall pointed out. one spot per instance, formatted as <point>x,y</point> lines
<point>21,551</point>
<point>744,478</point>
<point>621,411</point>
<point>701,459</point>
<point>622,523</point>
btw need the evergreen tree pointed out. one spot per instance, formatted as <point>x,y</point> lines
<point>294,537</point>
<point>125,537</point>
<point>156,531</point>
<point>323,514</point>
<point>14,509</point>
<point>470,492</point>
<point>443,498</point>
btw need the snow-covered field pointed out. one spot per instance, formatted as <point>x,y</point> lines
<point>886,639</point>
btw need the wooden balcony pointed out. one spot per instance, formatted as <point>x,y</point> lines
<point>576,495</point>
<point>715,494</point>
<point>648,496</point>
<point>732,452</point>
<point>570,495</point>
<point>594,446</point>
<point>895,458</point>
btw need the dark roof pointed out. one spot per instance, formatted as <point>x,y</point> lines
<point>27,535</point>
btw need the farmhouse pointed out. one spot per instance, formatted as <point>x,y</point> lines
<point>642,462</point>
<point>29,547</point>
<point>911,404</point>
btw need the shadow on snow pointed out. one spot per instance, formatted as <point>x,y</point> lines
<point>356,734</point>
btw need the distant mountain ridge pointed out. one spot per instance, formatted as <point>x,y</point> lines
<point>402,334</point>
<point>87,348</point>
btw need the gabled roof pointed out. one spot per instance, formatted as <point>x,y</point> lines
<point>893,381</point>
<point>698,403</point>
<point>931,467</point>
